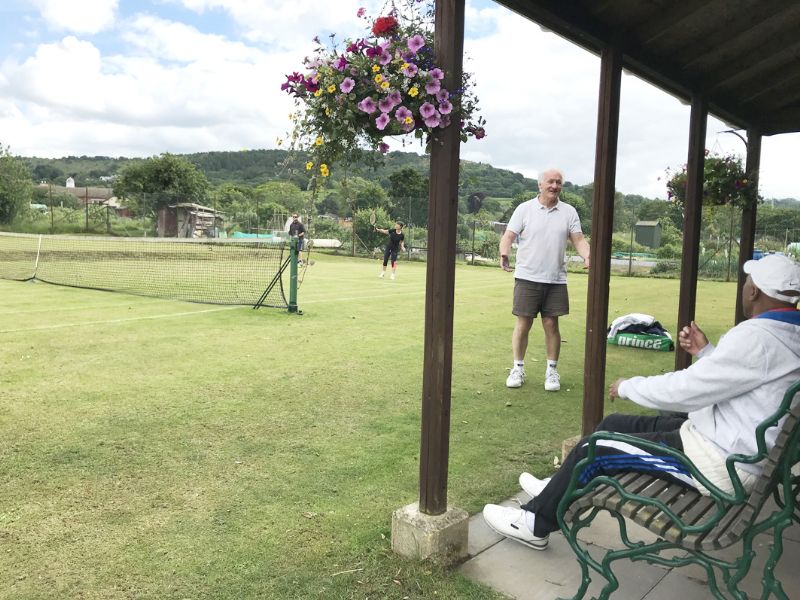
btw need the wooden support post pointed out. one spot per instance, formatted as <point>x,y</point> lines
<point>692,217</point>
<point>605,167</point>
<point>440,283</point>
<point>748,235</point>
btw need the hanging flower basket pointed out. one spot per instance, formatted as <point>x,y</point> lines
<point>724,183</point>
<point>350,97</point>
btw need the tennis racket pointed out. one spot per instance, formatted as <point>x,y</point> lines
<point>373,218</point>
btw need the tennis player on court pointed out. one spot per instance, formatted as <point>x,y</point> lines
<point>395,244</point>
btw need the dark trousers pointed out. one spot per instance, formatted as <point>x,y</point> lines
<point>610,459</point>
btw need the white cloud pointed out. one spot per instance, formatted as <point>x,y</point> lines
<point>79,16</point>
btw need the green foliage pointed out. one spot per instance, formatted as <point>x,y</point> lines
<point>15,186</point>
<point>369,236</point>
<point>724,182</point>
<point>357,193</point>
<point>408,193</point>
<point>165,179</point>
<point>282,193</point>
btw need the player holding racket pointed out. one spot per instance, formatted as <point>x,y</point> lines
<point>395,244</point>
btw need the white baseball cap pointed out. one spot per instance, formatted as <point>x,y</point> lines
<point>776,275</point>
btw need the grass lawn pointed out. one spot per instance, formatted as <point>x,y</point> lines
<point>159,449</point>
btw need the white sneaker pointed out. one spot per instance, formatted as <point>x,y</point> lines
<point>552,382</point>
<point>392,276</point>
<point>531,485</point>
<point>516,378</point>
<point>381,274</point>
<point>511,522</point>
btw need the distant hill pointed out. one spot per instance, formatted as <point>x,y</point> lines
<point>253,167</point>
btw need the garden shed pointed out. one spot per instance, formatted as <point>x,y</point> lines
<point>648,233</point>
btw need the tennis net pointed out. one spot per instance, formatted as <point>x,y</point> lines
<point>212,271</point>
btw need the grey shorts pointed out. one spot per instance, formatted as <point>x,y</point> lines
<point>532,298</point>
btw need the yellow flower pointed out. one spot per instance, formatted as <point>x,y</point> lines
<point>413,92</point>
<point>323,169</point>
<point>408,120</point>
<point>319,141</point>
<point>278,141</point>
<point>405,65</point>
<point>384,85</point>
<point>318,93</point>
<point>331,88</point>
<point>378,78</point>
<point>328,112</point>
<point>309,165</point>
<point>375,68</point>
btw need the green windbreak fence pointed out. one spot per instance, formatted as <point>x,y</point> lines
<point>212,271</point>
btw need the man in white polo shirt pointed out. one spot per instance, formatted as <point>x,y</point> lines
<point>541,227</point>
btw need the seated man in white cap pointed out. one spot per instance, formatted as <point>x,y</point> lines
<point>726,393</point>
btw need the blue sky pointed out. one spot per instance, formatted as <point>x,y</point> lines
<point>137,78</point>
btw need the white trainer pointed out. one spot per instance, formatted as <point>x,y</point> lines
<point>511,522</point>
<point>531,485</point>
<point>552,382</point>
<point>381,274</point>
<point>392,276</point>
<point>516,378</point>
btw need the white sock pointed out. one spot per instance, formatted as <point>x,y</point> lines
<point>519,363</point>
<point>529,519</point>
<point>551,365</point>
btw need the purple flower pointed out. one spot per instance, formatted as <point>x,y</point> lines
<point>433,86</point>
<point>347,85</point>
<point>445,107</point>
<point>373,51</point>
<point>340,64</point>
<point>367,105</point>
<point>442,95</point>
<point>361,12</point>
<point>383,147</point>
<point>402,113</point>
<point>395,97</point>
<point>433,120</point>
<point>382,121</point>
<point>479,133</point>
<point>415,43</point>
<point>408,56</point>
<point>437,73</point>
<point>427,110</point>
<point>409,70</point>
<point>445,121</point>
<point>386,105</point>
<point>386,57</point>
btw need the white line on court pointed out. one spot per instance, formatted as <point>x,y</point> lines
<point>150,317</point>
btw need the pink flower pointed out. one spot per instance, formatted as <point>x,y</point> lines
<point>402,113</point>
<point>433,120</point>
<point>361,12</point>
<point>395,97</point>
<point>367,105</point>
<point>383,147</point>
<point>445,122</point>
<point>427,110</point>
<point>409,70</point>
<point>347,85</point>
<point>382,121</point>
<point>340,64</point>
<point>385,58</point>
<point>445,107</point>
<point>437,73</point>
<point>442,95</point>
<point>386,105</point>
<point>433,86</point>
<point>415,43</point>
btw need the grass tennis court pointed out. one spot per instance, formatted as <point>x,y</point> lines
<point>160,449</point>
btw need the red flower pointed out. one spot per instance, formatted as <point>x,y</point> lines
<point>384,25</point>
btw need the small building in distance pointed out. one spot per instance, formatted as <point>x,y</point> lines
<point>189,220</point>
<point>648,233</point>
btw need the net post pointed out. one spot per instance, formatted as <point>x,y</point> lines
<point>293,242</point>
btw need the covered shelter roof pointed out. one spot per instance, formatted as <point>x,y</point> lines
<point>743,56</point>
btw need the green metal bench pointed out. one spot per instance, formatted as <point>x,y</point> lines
<point>685,520</point>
